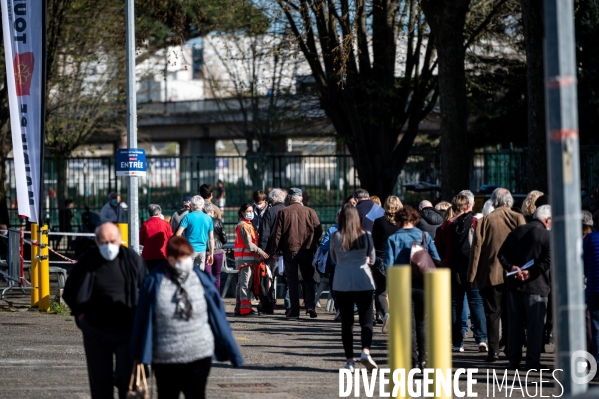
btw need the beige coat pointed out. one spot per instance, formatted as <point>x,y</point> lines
<point>484,269</point>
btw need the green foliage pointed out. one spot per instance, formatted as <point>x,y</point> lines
<point>59,309</point>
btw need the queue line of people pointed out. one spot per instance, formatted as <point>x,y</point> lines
<point>183,261</point>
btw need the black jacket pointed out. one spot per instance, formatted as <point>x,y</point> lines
<point>268,226</point>
<point>368,212</point>
<point>220,236</point>
<point>526,242</point>
<point>258,216</point>
<point>79,285</point>
<point>430,220</point>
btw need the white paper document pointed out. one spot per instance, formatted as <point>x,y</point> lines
<point>526,266</point>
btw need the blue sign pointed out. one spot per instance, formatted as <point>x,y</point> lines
<point>131,162</point>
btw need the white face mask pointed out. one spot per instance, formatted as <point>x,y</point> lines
<point>185,265</point>
<point>109,251</point>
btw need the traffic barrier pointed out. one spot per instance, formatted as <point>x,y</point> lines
<point>33,271</point>
<point>16,273</point>
<point>437,304</point>
<point>44,272</point>
<point>399,288</point>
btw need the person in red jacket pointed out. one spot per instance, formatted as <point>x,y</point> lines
<point>154,235</point>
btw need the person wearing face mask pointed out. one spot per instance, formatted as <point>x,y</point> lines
<point>180,324</point>
<point>248,260</point>
<point>112,211</point>
<point>102,292</point>
<point>260,207</point>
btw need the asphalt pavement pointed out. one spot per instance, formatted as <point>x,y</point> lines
<point>41,356</point>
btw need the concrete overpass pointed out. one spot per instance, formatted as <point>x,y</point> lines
<point>197,125</point>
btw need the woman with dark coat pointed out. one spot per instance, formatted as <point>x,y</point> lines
<point>180,324</point>
<point>383,229</point>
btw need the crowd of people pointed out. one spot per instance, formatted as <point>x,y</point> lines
<point>164,307</point>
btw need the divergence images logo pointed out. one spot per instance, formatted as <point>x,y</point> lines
<point>23,66</point>
<point>583,366</point>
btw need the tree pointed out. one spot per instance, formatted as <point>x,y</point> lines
<point>374,70</point>
<point>254,75</point>
<point>587,57</point>
<point>447,19</point>
<point>532,19</point>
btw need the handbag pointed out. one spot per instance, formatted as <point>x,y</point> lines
<point>420,260</point>
<point>138,386</point>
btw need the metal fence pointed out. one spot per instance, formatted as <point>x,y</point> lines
<point>327,180</point>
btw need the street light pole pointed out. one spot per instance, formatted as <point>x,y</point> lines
<point>564,186</point>
<point>132,193</point>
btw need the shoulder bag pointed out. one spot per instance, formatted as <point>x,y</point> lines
<point>420,260</point>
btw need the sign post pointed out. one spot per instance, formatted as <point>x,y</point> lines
<point>131,162</point>
<point>132,126</point>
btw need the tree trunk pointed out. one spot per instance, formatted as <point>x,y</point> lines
<point>447,20</point>
<point>536,164</point>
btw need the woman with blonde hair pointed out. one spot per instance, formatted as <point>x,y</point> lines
<point>382,229</point>
<point>528,206</point>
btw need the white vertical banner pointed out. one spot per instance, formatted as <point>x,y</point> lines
<point>22,25</point>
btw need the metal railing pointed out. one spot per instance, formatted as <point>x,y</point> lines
<point>327,179</point>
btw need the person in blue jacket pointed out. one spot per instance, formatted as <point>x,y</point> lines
<point>398,250</point>
<point>180,325</point>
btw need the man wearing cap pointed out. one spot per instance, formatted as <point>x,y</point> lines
<point>296,235</point>
<point>180,214</point>
<point>112,211</point>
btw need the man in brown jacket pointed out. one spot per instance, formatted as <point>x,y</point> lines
<point>297,233</point>
<point>485,271</point>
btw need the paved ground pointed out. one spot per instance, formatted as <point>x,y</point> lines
<point>41,355</point>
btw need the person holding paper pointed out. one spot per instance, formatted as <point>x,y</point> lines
<point>528,289</point>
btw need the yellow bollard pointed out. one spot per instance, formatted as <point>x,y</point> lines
<point>437,304</point>
<point>399,287</point>
<point>33,270</point>
<point>124,228</point>
<point>44,272</point>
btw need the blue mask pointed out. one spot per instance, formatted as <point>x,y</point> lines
<point>114,202</point>
<point>249,216</point>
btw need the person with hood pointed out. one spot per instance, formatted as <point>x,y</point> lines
<point>102,293</point>
<point>430,218</point>
<point>181,324</point>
